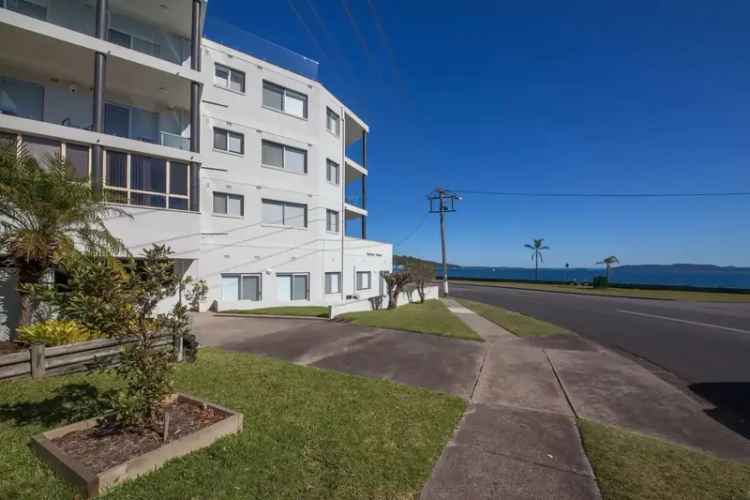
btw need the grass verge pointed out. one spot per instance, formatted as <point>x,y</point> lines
<point>432,317</point>
<point>630,466</point>
<point>308,433</point>
<point>637,293</point>
<point>314,311</point>
<point>516,323</point>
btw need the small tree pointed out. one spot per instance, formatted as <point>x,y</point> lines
<point>537,248</point>
<point>421,272</point>
<point>395,283</point>
<point>45,215</point>
<point>120,300</point>
<point>609,262</point>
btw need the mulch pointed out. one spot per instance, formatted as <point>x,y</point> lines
<point>107,444</point>
<point>10,347</point>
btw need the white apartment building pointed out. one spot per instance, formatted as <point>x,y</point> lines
<point>254,175</point>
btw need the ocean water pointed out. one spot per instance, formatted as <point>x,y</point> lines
<point>718,278</point>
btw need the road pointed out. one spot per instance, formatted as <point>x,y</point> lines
<point>705,345</point>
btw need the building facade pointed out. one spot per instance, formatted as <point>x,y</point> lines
<point>255,176</point>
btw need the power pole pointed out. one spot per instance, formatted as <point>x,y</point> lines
<point>445,200</point>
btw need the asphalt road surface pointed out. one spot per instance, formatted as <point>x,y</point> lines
<point>705,345</point>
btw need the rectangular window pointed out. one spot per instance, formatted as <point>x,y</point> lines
<point>42,150</point>
<point>20,98</point>
<point>143,180</point>
<point>229,204</point>
<point>284,100</point>
<point>148,174</point>
<point>332,122</point>
<point>241,287</point>
<point>229,78</point>
<point>77,157</point>
<point>363,280</point>
<point>284,213</point>
<point>225,140</point>
<point>116,120</point>
<point>28,8</point>
<point>332,172</point>
<point>133,42</point>
<point>282,156</point>
<point>292,286</point>
<point>332,221</point>
<point>333,283</point>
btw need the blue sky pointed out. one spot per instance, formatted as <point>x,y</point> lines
<point>587,96</point>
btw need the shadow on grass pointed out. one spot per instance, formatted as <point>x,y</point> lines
<point>69,403</point>
<point>732,402</point>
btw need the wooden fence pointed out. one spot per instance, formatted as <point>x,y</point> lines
<point>40,361</point>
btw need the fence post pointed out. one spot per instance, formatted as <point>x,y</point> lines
<point>38,362</point>
<point>178,351</point>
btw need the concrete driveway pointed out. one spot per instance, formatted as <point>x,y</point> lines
<point>437,363</point>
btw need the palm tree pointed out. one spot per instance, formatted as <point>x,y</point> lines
<point>46,214</point>
<point>609,262</point>
<point>538,246</point>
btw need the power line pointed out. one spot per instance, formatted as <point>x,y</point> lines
<point>605,195</point>
<point>415,231</point>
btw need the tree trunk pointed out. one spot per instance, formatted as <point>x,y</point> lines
<point>420,290</point>
<point>29,273</point>
<point>536,268</point>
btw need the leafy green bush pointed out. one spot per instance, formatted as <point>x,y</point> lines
<point>601,282</point>
<point>56,332</point>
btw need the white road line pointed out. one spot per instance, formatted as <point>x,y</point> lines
<point>687,322</point>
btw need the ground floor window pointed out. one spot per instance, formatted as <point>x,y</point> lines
<point>363,280</point>
<point>333,282</point>
<point>293,286</point>
<point>241,287</point>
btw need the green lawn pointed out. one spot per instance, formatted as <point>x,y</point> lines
<point>516,323</point>
<point>431,317</point>
<point>315,311</point>
<point>630,466</point>
<point>308,433</point>
<point>621,292</point>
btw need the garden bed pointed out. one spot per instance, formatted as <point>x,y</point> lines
<point>96,454</point>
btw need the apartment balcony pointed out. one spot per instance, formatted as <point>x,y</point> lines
<point>356,143</point>
<point>149,33</point>
<point>141,104</point>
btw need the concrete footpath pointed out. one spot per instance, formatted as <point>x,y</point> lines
<point>518,438</point>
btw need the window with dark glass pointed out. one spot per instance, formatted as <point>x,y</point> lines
<point>232,142</point>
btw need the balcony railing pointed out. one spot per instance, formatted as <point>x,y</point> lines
<point>122,28</point>
<point>175,141</point>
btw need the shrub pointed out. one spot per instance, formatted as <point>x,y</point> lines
<point>421,273</point>
<point>56,332</point>
<point>601,282</point>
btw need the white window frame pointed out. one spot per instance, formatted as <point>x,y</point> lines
<point>283,213</point>
<point>369,280</point>
<point>230,71</point>
<point>291,289</point>
<point>329,290</point>
<point>239,277</point>
<point>284,148</point>
<point>337,180</point>
<point>337,229</point>
<point>337,132</point>
<point>306,106</point>
<point>227,196</point>
<point>127,190</point>
<point>228,132</point>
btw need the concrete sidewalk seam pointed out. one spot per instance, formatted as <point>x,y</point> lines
<point>560,383</point>
<point>479,374</point>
